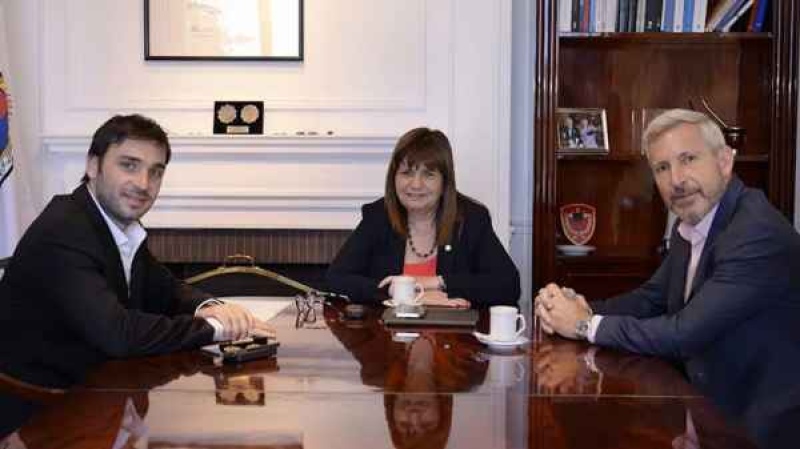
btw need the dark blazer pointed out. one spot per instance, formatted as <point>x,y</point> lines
<point>65,305</point>
<point>738,335</point>
<point>474,265</point>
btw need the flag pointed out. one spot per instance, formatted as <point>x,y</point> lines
<point>9,220</point>
<point>6,157</point>
<point>10,217</point>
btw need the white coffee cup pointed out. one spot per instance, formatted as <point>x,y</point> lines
<point>503,323</point>
<point>406,290</point>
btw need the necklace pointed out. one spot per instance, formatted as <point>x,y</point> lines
<point>417,253</point>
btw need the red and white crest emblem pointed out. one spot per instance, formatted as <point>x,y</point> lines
<point>578,221</point>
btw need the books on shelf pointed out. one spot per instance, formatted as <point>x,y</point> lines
<point>564,16</point>
<point>726,13</point>
<point>700,12</point>
<point>727,23</point>
<point>653,15</point>
<point>674,16</point>
<point>757,16</point>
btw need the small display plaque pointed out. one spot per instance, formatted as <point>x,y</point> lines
<point>238,117</point>
<point>578,221</point>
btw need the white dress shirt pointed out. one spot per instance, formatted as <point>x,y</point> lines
<point>128,240</point>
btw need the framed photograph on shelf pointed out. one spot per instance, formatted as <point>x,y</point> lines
<point>582,131</point>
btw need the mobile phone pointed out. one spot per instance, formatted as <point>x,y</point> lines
<point>247,349</point>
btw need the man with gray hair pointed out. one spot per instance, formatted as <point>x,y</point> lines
<point>725,302</point>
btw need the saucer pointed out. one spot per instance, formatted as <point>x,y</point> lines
<point>575,250</point>
<point>391,303</point>
<point>494,344</point>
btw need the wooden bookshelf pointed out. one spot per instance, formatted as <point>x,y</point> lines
<point>750,79</point>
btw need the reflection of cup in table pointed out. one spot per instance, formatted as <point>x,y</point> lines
<point>506,370</point>
<point>503,323</point>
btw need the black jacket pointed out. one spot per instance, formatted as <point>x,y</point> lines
<point>474,265</point>
<point>65,306</point>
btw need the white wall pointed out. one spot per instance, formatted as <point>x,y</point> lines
<point>372,70</point>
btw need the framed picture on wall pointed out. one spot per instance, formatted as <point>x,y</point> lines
<point>208,30</point>
<point>582,131</point>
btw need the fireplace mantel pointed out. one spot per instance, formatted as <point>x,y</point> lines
<point>252,182</point>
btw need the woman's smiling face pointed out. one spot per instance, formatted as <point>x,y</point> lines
<point>418,187</point>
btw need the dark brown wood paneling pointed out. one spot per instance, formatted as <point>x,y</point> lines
<point>267,246</point>
<point>545,92</point>
<point>629,210</point>
<point>786,26</point>
<point>624,73</point>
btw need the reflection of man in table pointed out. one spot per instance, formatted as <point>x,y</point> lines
<point>112,417</point>
<point>726,300</point>
<point>647,394</point>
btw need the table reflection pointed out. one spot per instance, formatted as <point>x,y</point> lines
<point>344,384</point>
<point>418,371</point>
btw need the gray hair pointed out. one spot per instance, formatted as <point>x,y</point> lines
<point>709,130</point>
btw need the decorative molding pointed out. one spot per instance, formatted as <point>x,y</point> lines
<point>275,145</point>
<point>408,104</point>
<point>261,193</point>
<point>254,207</point>
<point>283,219</point>
<point>262,199</point>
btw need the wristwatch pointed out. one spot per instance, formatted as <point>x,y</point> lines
<point>582,329</point>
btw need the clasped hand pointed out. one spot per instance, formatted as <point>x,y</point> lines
<point>431,296</point>
<point>237,322</point>
<point>559,309</point>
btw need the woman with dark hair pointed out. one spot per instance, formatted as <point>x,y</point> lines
<point>423,227</point>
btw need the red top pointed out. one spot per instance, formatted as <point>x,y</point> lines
<point>427,268</point>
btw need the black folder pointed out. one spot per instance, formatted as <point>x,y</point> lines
<point>434,316</point>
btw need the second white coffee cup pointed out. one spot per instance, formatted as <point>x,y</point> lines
<point>503,323</point>
<point>406,290</point>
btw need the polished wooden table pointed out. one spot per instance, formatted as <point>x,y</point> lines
<point>338,383</point>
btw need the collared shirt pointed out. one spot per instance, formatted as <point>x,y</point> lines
<point>128,242</point>
<point>696,236</point>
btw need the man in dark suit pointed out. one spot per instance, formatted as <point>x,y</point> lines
<point>83,287</point>
<point>726,300</point>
